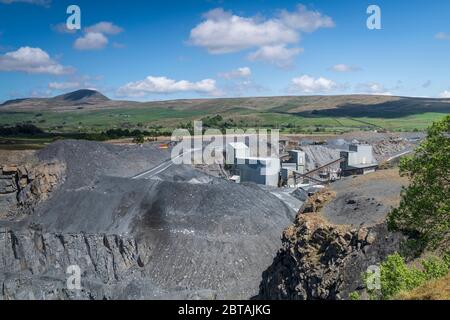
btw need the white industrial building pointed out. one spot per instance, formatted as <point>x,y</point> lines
<point>358,160</point>
<point>298,158</point>
<point>264,171</point>
<point>296,164</point>
<point>235,150</point>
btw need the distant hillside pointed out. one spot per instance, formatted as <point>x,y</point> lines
<point>329,106</point>
<point>91,111</point>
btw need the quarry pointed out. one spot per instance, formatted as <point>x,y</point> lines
<point>141,227</point>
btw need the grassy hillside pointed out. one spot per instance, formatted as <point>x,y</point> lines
<point>290,114</point>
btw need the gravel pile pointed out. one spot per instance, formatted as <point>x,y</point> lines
<point>197,233</point>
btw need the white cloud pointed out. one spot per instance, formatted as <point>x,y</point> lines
<point>279,55</point>
<point>445,94</point>
<point>95,36</point>
<point>344,68</point>
<point>62,28</point>
<point>44,3</point>
<point>243,72</point>
<point>374,88</point>
<point>224,32</point>
<point>442,36</point>
<point>105,28</point>
<point>63,85</point>
<point>165,85</point>
<point>91,41</point>
<point>304,20</point>
<point>308,84</point>
<point>31,60</point>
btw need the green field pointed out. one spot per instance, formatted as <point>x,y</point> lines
<point>97,121</point>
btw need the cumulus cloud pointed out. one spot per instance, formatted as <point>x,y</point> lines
<point>44,3</point>
<point>442,36</point>
<point>305,20</point>
<point>63,85</point>
<point>445,94</point>
<point>224,32</point>
<point>95,37</point>
<point>32,60</point>
<point>279,55</point>
<point>344,68</point>
<point>243,72</point>
<point>308,84</point>
<point>91,41</point>
<point>164,85</point>
<point>105,28</point>
<point>374,88</point>
<point>62,28</point>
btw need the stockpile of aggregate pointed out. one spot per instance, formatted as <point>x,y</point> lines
<point>179,234</point>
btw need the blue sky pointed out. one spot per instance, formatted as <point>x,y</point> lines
<point>153,50</point>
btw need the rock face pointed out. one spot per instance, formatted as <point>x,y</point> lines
<point>319,260</point>
<point>34,264</point>
<point>25,186</point>
<point>180,234</point>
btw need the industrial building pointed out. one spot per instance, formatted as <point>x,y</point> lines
<point>298,158</point>
<point>235,150</point>
<point>295,165</point>
<point>259,170</point>
<point>264,171</point>
<point>358,159</point>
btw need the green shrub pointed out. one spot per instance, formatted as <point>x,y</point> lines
<point>435,268</point>
<point>354,296</point>
<point>396,276</point>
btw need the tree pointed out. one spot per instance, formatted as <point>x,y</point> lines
<point>424,211</point>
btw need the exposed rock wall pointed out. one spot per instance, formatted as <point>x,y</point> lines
<point>319,260</point>
<point>25,186</point>
<point>34,264</point>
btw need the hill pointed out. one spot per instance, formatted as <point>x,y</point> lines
<point>82,96</point>
<point>86,98</point>
<point>89,110</point>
